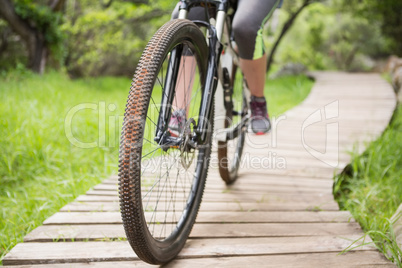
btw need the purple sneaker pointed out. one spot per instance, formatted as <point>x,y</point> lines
<point>260,123</point>
<point>176,123</point>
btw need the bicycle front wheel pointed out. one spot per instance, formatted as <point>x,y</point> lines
<point>162,176</point>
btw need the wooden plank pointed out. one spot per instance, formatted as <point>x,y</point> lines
<point>69,218</point>
<point>39,253</point>
<point>252,179</point>
<point>314,199</point>
<point>351,259</point>
<point>293,135</point>
<point>298,141</point>
<point>294,145</point>
<point>244,187</point>
<point>317,133</point>
<point>296,154</point>
<point>379,103</point>
<point>211,206</point>
<point>247,195</point>
<point>307,108</point>
<point>279,169</point>
<point>107,232</point>
<point>106,264</point>
<point>347,132</point>
<point>305,171</point>
<point>251,184</point>
<point>345,116</point>
<point>247,178</point>
<point>254,189</point>
<point>285,166</point>
<point>294,120</point>
<point>213,174</point>
<point>290,170</point>
<point>353,93</point>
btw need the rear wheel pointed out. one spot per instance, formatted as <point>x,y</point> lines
<point>231,150</point>
<point>161,177</point>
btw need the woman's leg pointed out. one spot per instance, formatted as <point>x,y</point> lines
<point>254,71</point>
<point>248,22</point>
<point>187,67</point>
<point>184,83</point>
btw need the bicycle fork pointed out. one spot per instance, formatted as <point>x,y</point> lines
<point>213,89</point>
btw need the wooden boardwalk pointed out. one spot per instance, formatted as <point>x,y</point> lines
<point>280,213</point>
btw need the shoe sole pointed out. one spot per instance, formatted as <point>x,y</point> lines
<point>258,133</point>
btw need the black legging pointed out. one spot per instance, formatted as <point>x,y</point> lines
<point>248,23</point>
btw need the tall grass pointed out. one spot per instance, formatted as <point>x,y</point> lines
<point>41,167</point>
<point>40,170</point>
<point>371,187</point>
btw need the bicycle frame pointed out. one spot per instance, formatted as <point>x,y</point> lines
<point>214,85</point>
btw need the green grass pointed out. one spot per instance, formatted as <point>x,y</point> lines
<point>371,187</point>
<point>285,92</point>
<point>41,169</point>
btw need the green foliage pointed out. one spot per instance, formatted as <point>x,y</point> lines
<point>385,12</point>
<point>45,20</point>
<point>109,41</point>
<point>87,38</point>
<point>106,41</point>
<point>353,36</point>
<point>371,188</point>
<point>305,41</point>
<point>330,36</point>
<point>93,40</point>
<point>392,22</point>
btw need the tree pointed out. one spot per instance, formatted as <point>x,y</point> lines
<point>387,12</point>
<point>288,24</point>
<point>37,26</point>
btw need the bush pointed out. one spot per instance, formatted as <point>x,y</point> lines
<point>326,37</point>
<point>353,36</point>
<point>110,41</point>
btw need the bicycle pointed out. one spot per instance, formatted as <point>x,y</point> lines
<point>162,176</point>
